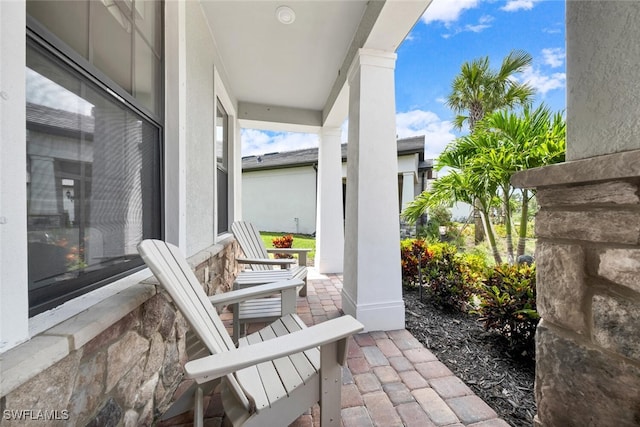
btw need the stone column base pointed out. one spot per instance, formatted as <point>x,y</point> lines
<point>588,291</point>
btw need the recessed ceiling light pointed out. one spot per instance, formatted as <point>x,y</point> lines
<point>285,15</point>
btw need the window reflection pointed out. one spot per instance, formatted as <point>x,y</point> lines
<point>121,38</point>
<point>222,169</point>
<point>92,178</point>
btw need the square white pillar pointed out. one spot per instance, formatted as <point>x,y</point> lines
<point>408,188</point>
<point>14,302</point>
<point>329,217</point>
<point>372,275</point>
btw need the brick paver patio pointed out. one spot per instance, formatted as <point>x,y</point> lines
<point>390,378</point>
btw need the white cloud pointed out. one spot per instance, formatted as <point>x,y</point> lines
<point>447,11</point>
<point>476,28</point>
<point>551,30</point>
<point>543,83</point>
<point>554,57</point>
<point>257,142</point>
<point>483,23</point>
<point>437,132</point>
<point>515,5</point>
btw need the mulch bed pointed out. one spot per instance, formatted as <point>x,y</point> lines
<point>481,359</point>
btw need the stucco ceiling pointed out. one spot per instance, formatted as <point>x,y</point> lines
<point>292,65</point>
<point>302,65</point>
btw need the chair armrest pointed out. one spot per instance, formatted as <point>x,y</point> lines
<point>266,261</point>
<point>240,295</point>
<point>302,253</point>
<point>288,250</point>
<point>217,365</point>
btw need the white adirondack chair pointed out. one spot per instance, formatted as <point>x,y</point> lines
<point>257,257</point>
<point>275,374</point>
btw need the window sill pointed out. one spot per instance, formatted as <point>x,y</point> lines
<point>71,326</point>
<point>65,329</point>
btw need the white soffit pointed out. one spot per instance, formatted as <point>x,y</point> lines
<point>301,66</point>
<point>292,65</point>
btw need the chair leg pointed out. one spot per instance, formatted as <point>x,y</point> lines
<point>330,386</point>
<point>236,323</point>
<point>303,290</point>
<point>198,410</point>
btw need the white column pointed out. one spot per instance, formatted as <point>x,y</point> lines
<point>408,188</point>
<point>329,218</point>
<point>372,276</point>
<point>175,124</point>
<point>603,91</point>
<point>14,305</point>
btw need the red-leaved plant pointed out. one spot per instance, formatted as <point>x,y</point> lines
<point>285,241</point>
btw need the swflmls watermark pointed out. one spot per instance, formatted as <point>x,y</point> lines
<point>35,415</point>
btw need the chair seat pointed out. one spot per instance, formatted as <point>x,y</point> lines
<point>270,382</point>
<point>273,377</point>
<point>260,310</point>
<point>259,277</point>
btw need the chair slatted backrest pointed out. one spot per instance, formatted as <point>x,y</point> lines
<point>176,277</point>
<point>250,242</point>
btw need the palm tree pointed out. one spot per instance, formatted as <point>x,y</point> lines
<point>533,139</point>
<point>483,163</point>
<point>463,183</point>
<point>478,91</point>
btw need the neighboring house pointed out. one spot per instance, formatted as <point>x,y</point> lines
<point>150,98</point>
<point>279,190</point>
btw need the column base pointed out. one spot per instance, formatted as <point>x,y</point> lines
<point>330,266</point>
<point>386,316</point>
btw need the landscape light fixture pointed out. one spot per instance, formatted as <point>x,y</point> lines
<point>285,15</point>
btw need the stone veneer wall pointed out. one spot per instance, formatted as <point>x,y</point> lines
<point>588,260</point>
<point>131,372</point>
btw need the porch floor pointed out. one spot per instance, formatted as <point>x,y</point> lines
<point>390,378</point>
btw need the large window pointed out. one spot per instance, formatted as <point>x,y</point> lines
<point>93,159</point>
<point>121,38</point>
<point>222,166</point>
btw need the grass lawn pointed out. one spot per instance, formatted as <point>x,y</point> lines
<point>299,241</point>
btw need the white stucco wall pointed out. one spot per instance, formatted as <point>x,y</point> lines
<point>408,163</point>
<point>602,77</point>
<point>13,198</point>
<point>272,199</point>
<point>265,188</point>
<point>200,160</point>
<point>203,86</point>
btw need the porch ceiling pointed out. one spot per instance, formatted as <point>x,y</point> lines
<point>278,72</point>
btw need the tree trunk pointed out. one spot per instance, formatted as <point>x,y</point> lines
<point>507,225</point>
<point>479,232</point>
<point>490,236</point>
<point>522,235</point>
<point>476,113</point>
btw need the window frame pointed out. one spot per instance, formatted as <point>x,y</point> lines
<point>48,297</point>
<point>223,166</point>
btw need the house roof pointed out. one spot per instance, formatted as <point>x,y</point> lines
<point>62,120</point>
<point>309,156</point>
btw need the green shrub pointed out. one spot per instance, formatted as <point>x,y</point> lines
<point>437,216</point>
<point>410,251</point>
<point>508,304</point>
<point>440,249</point>
<point>447,285</point>
<point>449,278</point>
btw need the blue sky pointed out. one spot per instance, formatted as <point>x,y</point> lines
<point>450,33</point>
